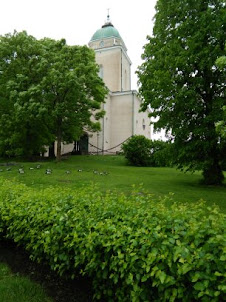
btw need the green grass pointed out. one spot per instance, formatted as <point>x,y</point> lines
<point>14,288</point>
<point>158,181</point>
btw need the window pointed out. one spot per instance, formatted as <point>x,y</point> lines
<point>143,124</point>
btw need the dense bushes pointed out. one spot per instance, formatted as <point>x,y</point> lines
<point>161,154</point>
<point>141,151</point>
<point>135,248</point>
<point>137,150</point>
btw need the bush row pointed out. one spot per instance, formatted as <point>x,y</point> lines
<point>135,248</point>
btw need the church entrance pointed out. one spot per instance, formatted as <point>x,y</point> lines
<point>81,146</point>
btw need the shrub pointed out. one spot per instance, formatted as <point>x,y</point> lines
<point>161,154</point>
<point>135,248</point>
<point>140,151</point>
<point>137,150</point>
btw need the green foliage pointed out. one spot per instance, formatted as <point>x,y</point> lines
<point>221,125</point>
<point>23,113</point>
<point>137,150</point>
<point>48,91</point>
<point>133,247</point>
<point>180,81</point>
<point>221,61</point>
<point>161,154</point>
<point>141,151</point>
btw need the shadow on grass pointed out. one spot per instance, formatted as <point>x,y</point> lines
<point>59,289</point>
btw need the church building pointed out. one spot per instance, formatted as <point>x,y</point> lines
<point>122,119</point>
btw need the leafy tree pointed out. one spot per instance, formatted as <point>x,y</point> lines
<point>72,89</point>
<point>180,81</point>
<point>48,91</point>
<point>24,127</point>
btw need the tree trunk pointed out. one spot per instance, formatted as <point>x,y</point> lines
<point>213,174</point>
<point>58,155</point>
<point>59,139</point>
<point>51,150</point>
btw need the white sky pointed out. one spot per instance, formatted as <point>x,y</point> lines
<point>76,21</point>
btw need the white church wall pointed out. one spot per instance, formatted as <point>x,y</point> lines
<point>125,73</point>
<point>101,140</point>
<point>122,115</point>
<point>142,121</point>
<point>111,68</point>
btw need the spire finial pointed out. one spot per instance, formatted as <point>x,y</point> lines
<point>108,21</point>
<point>108,16</point>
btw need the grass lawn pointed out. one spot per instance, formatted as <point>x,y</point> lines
<point>14,288</point>
<point>112,173</point>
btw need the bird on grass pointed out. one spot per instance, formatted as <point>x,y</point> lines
<point>21,171</point>
<point>48,171</point>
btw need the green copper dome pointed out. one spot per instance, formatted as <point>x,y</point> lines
<point>107,31</point>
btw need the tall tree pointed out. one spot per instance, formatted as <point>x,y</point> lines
<point>24,127</point>
<point>181,83</point>
<point>72,89</point>
<point>48,91</point>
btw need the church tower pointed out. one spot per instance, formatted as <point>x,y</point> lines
<point>122,117</point>
<point>112,58</point>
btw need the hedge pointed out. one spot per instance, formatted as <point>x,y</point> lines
<point>135,248</point>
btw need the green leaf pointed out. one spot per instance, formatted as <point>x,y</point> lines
<point>162,277</point>
<point>199,286</point>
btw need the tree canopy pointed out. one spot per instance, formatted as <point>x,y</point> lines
<point>48,91</point>
<point>181,82</point>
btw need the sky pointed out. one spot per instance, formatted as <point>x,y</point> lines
<point>77,21</point>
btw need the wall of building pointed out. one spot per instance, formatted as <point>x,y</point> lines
<point>101,140</point>
<point>114,68</point>
<point>142,121</point>
<point>122,118</point>
<point>111,69</point>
